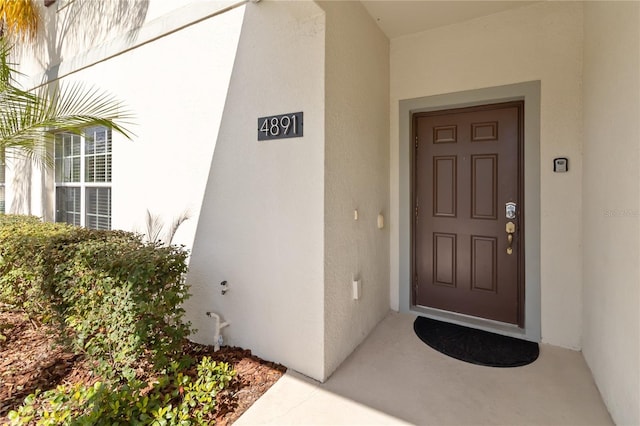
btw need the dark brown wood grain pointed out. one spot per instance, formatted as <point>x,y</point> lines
<point>466,165</point>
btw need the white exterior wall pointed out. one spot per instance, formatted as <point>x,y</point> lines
<point>76,34</point>
<point>356,178</point>
<point>611,204</point>
<point>538,42</point>
<point>262,223</point>
<point>197,89</point>
<point>175,86</point>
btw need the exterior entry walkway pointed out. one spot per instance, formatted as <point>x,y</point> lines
<point>394,378</point>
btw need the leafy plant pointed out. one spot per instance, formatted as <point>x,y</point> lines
<point>27,117</point>
<point>174,398</point>
<point>155,225</point>
<point>118,298</point>
<point>123,299</point>
<point>23,253</point>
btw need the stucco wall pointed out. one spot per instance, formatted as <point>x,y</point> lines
<point>262,222</point>
<point>76,34</point>
<point>611,204</point>
<point>197,88</point>
<point>542,42</point>
<point>176,87</point>
<point>356,177</point>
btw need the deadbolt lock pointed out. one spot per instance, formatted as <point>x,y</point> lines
<point>511,228</point>
<point>510,210</point>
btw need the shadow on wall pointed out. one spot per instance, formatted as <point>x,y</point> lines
<point>70,28</point>
<point>21,186</point>
<point>73,27</point>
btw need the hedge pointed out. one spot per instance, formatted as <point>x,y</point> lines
<point>117,298</point>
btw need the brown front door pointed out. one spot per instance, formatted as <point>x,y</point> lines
<point>467,248</point>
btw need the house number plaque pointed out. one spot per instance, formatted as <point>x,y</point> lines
<point>280,126</point>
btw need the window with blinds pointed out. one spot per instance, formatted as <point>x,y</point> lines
<point>98,208</point>
<point>68,205</point>
<point>97,165</point>
<point>83,178</point>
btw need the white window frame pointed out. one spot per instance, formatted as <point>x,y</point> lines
<point>83,184</point>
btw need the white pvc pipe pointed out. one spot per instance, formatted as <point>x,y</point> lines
<point>218,326</point>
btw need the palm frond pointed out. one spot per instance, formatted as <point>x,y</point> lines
<point>175,225</point>
<point>154,227</point>
<point>7,68</point>
<point>20,19</point>
<point>27,119</point>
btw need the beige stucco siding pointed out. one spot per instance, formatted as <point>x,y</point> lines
<point>611,204</point>
<point>262,219</point>
<point>356,178</point>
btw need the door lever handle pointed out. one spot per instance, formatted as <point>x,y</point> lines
<point>510,230</point>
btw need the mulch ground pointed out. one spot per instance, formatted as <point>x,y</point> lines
<point>30,360</point>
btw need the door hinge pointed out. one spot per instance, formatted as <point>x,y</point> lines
<point>416,141</point>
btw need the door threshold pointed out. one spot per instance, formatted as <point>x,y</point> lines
<point>492,326</point>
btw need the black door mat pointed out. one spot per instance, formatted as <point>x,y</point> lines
<point>475,346</point>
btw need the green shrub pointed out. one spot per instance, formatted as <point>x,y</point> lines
<point>23,250</point>
<point>118,298</point>
<point>123,299</point>
<point>174,399</point>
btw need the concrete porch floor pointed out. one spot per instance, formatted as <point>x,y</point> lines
<point>394,378</point>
